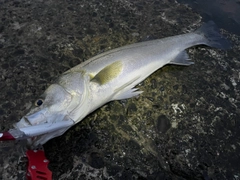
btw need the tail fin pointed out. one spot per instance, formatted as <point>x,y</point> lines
<point>212,36</point>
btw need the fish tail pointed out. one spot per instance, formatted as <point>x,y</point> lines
<point>212,36</point>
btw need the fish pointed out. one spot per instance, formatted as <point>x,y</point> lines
<point>112,75</point>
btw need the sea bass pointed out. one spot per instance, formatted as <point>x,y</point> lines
<point>109,76</point>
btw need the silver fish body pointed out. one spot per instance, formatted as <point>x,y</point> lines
<point>108,76</point>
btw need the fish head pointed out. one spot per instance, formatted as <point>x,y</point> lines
<point>50,107</point>
<point>62,105</point>
<point>48,116</point>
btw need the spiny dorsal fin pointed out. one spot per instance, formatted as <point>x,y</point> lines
<point>108,73</point>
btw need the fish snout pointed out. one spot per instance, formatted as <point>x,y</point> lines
<point>36,118</point>
<point>30,120</point>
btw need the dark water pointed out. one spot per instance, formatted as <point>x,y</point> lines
<point>225,13</point>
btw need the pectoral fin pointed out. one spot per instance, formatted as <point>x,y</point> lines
<point>127,90</point>
<point>108,73</point>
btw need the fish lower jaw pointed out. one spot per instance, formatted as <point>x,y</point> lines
<point>22,123</point>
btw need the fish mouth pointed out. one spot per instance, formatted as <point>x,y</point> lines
<point>40,133</point>
<point>35,118</point>
<point>24,122</point>
<point>31,119</point>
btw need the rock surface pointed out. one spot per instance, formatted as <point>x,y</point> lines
<point>184,126</point>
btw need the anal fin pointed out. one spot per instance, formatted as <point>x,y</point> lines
<point>128,93</point>
<point>182,59</point>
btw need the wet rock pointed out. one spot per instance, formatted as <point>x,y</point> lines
<point>77,52</point>
<point>163,124</point>
<point>131,138</point>
<point>114,170</point>
<point>153,83</point>
<point>19,52</point>
<point>2,112</point>
<point>132,108</point>
<point>95,160</point>
<point>175,87</point>
<point>162,88</point>
<point>1,28</point>
<point>5,66</point>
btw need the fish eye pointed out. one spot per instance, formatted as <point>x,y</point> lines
<point>38,102</point>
